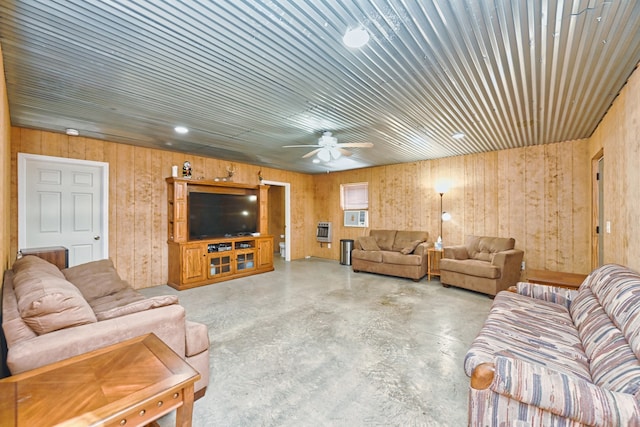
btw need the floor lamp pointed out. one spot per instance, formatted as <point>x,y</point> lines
<point>444,216</point>
<point>441,219</point>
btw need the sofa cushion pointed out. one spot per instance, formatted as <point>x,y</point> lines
<point>368,243</point>
<point>405,238</point>
<point>525,328</point>
<point>36,264</point>
<point>115,300</point>
<point>384,238</point>
<point>136,306</point>
<point>373,256</point>
<point>392,257</point>
<point>14,327</point>
<point>471,267</point>
<point>482,248</point>
<point>48,303</point>
<point>605,313</point>
<point>95,279</point>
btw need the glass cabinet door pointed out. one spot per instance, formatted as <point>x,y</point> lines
<point>245,260</point>
<point>219,265</point>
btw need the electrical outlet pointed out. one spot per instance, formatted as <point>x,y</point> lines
<point>329,245</point>
<point>522,266</point>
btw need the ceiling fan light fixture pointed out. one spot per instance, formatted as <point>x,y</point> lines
<point>181,129</point>
<point>356,37</point>
<point>324,155</point>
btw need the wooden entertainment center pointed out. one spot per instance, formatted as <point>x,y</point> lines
<point>195,263</point>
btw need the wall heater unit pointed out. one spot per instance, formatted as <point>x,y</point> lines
<point>323,232</point>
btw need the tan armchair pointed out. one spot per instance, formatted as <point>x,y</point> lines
<point>482,264</point>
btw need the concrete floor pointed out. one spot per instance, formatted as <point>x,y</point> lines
<point>314,344</point>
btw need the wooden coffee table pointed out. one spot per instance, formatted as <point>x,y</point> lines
<point>131,383</point>
<point>555,278</point>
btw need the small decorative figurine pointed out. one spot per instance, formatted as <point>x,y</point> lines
<point>186,169</point>
<point>260,176</point>
<point>230,171</point>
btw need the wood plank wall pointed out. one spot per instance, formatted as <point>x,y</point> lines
<point>538,195</point>
<point>617,136</point>
<point>138,197</point>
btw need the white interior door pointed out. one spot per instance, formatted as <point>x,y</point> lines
<point>63,202</point>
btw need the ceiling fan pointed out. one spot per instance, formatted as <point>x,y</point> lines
<point>329,148</point>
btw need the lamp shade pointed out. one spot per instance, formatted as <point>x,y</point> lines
<point>442,187</point>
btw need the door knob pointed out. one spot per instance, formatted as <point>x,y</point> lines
<point>96,237</point>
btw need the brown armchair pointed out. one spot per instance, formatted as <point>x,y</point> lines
<point>483,264</point>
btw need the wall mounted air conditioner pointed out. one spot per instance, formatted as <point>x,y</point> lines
<point>356,218</point>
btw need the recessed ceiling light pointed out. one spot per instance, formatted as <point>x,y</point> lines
<point>72,132</point>
<point>457,135</point>
<point>181,129</point>
<point>356,37</point>
<point>315,160</point>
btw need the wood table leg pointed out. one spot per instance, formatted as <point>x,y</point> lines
<point>184,413</point>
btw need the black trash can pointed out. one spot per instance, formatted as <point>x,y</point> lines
<point>346,246</point>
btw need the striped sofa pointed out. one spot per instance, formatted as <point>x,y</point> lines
<point>549,356</point>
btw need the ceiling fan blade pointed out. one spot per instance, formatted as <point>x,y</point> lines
<point>296,146</point>
<point>345,152</point>
<point>311,153</point>
<point>356,144</point>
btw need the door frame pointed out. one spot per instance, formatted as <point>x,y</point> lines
<point>22,197</point>
<point>597,210</point>
<point>287,215</point>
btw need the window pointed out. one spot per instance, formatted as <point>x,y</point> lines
<point>354,196</point>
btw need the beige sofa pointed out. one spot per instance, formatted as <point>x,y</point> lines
<point>49,315</point>
<point>483,264</point>
<point>392,252</point>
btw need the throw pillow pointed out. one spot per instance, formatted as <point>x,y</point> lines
<point>49,303</point>
<point>410,247</point>
<point>369,243</point>
<point>95,279</point>
<point>136,306</point>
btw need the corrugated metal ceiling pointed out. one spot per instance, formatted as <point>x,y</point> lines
<point>248,77</point>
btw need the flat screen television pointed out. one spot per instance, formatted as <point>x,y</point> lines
<point>221,215</point>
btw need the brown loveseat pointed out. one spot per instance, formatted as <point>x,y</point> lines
<point>392,252</point>
<point>483,264</point>
<point>50,315</point>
